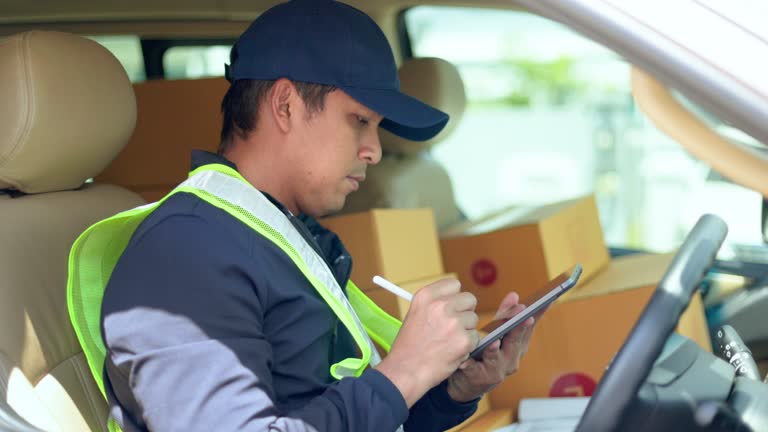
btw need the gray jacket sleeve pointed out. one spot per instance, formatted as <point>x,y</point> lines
<point>186,348</point>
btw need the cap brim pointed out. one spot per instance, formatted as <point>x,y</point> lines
<point>404,116</point>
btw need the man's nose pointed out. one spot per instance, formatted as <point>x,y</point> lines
<point>371,151</point>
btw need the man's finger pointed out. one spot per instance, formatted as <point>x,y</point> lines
<point>509,313</point>
<point>443,287</point>
<point>514,336</point>
<point>491,353</point>
<point>464,302</point>
<point>509,301</point>
<point>526,338</point>
<point>468,320</point>
<point>516,342</point>
<point>530,323</point>
<point>467,364</point>
<point>475,337</point>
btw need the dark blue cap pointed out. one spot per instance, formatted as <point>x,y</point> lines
<point>329,42</point>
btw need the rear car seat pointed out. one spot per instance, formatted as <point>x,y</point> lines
<point>66,109</point>
<point>408,176</point>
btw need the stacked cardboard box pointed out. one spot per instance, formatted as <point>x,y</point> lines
<point>522,249</point>
<point>578,336</point>
<point>399,245</point>
<point>403,247</point>
<point>574,341</point>
<point>519,250</point>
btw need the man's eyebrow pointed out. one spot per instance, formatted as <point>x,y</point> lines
<point>367,113</point>
<point>373,115</point>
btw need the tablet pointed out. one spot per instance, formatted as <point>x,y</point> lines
<point>534,303</point>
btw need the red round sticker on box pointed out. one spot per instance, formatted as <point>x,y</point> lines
<point>484,272</point>
<point>573,385</point>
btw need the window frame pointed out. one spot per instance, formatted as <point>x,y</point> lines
<point>153,51</point>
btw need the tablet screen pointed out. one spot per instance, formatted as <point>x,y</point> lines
<point>533,303</point>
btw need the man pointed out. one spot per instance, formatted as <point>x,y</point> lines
<point>214,322</point>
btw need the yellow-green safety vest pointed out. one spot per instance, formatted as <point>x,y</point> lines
<point>95,253</point>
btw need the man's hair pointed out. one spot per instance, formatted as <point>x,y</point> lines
<point>240,106</point>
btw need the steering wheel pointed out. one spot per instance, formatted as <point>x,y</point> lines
<point>633,363</point>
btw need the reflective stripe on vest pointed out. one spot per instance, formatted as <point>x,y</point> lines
<point>95,253</point>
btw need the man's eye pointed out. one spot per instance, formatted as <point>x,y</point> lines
<point>362,120</point>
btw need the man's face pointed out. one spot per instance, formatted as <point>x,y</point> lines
<point>332,150</point>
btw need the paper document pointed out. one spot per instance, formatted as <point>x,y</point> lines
<point>550,408</point>
<point>548,415</point>
<point>555,425</point>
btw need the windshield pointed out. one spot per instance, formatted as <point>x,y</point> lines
<point>551,116</point>
<point>730,35</point>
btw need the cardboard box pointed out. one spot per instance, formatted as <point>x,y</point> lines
<point>521,250</point>
<point>398,244</point>
<point>579,335</point>
<point>396,306</point>
<point>643,272</point>
<point>491,420</point>
<point>483,406</point>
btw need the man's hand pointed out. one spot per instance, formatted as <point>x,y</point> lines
<point>437,335</point>
<point>500,359</point>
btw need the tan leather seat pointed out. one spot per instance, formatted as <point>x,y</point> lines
<point>174,117</point>
<point>408,176</point>
<point>66,109</point>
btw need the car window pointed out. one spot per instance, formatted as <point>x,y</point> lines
<point>127,49</point>
<point>551,116</point>
<point>195,61</point>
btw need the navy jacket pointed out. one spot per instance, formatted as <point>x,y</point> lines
<point>210,327</point>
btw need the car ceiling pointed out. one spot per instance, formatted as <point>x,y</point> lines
<point>178,18</point>
<point>217,18</point>
<point>19,11</point>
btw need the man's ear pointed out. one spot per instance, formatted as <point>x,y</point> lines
<point>282,103</point>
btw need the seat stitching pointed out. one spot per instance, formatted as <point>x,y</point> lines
<point>86,387</point>
<point>4,382</point>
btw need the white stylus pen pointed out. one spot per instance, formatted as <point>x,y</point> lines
<point>394,289</point>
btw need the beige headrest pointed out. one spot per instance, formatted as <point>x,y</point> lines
<point>433,81</point>
<point>66,109</point>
